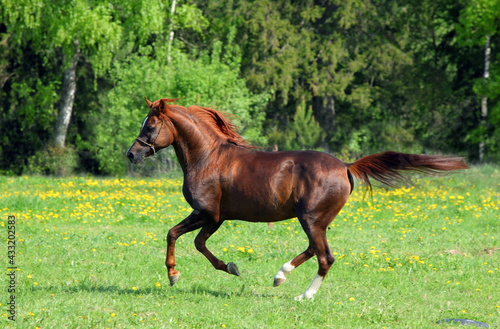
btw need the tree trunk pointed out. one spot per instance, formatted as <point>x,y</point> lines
<point>484,100</point>
<point>67,98</point>
<point>171,34</point>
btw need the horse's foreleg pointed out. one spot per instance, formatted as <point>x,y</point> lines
<point>200,241</point>
<point>280,277</point>
<point>194,221</point>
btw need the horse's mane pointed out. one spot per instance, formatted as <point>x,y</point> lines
<point>215,121</point>
<point>219,124</point>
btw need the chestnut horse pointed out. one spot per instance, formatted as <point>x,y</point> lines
<point>225,178</point>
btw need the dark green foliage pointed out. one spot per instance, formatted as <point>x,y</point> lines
<point>302,133</point>
<point>53,161</point>
<point>369,70</point>
<point>351,77</point>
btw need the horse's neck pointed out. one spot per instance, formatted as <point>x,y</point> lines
<point>193,142</point>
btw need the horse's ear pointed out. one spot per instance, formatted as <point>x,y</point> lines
<point>148,102</point>
<point>162,104</point>
<point>164,101</point>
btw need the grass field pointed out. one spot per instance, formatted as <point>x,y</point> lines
<point>90,253</point>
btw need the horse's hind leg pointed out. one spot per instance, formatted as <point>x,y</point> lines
<point>315,227</point>
<point>325,261</point>
<point>318,245</point>
<point>287,268</point>
<point>199,242</point>
<point>280,277</point>
<point>194,221</point>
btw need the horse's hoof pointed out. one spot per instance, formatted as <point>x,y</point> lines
<point>278,281</point>
<point>173,279</point>
<point>299,298</point>
<point>233,269</point>
<point>304,297</point>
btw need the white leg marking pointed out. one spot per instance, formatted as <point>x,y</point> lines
<point>280,277</point>
<point>313,288</point>
<point>284,270</point>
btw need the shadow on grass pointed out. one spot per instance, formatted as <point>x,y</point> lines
<point>202,290</point>
<point>188,291</point>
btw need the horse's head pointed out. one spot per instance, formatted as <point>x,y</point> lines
<point>157,132</point>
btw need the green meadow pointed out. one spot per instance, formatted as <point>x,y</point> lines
<point>90,253</point>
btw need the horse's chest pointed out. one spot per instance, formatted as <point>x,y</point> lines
<point>201,193</point>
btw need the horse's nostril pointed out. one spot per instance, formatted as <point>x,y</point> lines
<point>130,156</point>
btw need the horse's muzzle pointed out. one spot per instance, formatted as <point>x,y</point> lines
<point>131,156</point>
<point>135,156</point>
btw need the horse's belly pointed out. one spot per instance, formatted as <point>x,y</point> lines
<point>259,214</point>
<point>263,205</point>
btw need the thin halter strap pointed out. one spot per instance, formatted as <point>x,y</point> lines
<point>153,142</point>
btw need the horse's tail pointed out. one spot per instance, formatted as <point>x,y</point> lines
<point>386,167</point>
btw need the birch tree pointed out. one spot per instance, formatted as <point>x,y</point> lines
<point>70,31</point>
<point>479,23</point>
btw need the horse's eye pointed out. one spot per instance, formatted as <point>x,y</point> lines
<point>150,129</point>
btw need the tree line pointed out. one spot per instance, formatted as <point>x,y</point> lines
<point>350,77</point>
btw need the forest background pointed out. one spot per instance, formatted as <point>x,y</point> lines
<point>349,77</point>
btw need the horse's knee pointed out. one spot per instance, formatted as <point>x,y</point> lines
<point>325,263</point>
<point>172,236</point>
<point>330,259</point>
